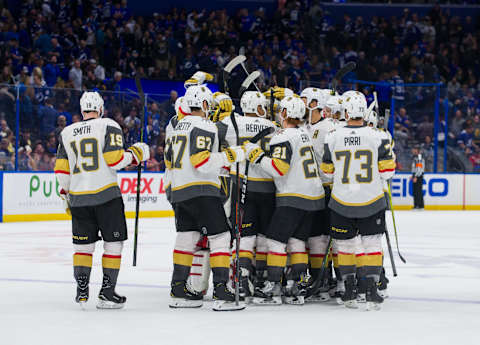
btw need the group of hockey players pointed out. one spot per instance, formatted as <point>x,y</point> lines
<point>313,211</point>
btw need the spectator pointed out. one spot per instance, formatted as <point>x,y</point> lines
<point>47,117</point>
<point>61,124</point>
<point>52,72</point>
<point>76,75</point>
<point>169,105</point>
<point>457,124</point>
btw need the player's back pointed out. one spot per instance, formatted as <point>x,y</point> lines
<point>301,186</point>
<point>359,156</point>
<point>187,149</point>
<point>248,127</point>
<point>91,146</point>
<point>318,131</point>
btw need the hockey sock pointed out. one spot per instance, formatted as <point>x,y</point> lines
<point>111,267</point>
<point>276,263</point>
<point>182,262</point>
<point>82,265</point>
<point>220,256</point>
<point>346,263</point>
<point>299,262</point>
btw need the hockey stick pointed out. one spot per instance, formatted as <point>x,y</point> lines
<point>229,68</point>
<point>342,72</point>
<point>139,171</point>
<point>387,235</point>
<point>394,223</point>
<point>248,81</point>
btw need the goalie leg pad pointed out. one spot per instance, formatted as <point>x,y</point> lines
<point>220,256</point>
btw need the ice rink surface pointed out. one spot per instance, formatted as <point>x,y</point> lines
<point>434,300</point>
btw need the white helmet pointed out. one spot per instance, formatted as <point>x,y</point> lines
<point>91,101</point>
<point>195,95</point>
<point>355,104</point>
<point>251,100</point>
<point>372,119</point>
<point>294,106</point>
<point>181,107</point>
<point>335,104</point>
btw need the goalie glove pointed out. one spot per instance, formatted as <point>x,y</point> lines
<point>254,152</point>
<point>65,201</point>
<point>140,153</point>
<point>234,154</point>
<point>198,78</point>
<point>223,106</point>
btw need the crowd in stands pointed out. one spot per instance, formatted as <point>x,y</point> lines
<point>74,46</point>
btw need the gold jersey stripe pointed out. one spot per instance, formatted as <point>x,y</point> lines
<point>281,166</point>
<point>200,158</point>
<point>113,157</point>
<point>259,179</point>
<point>62,165</point>
<point>388,164</point>
<point>95,191</point>
<point>357,203</point>
<point>303,196</point>
<point>196,184</point>
<point>327,168</point>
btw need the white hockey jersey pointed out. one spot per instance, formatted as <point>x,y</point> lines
<point>89,153</point>
<point>359,159</point>
<point>318,131</point>
<point>248,127</point>
<point>190,151</point>
<point>292,163</point>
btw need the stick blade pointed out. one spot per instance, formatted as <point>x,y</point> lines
<point>234,63</point>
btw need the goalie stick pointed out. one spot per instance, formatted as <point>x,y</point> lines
<point>139,171</point>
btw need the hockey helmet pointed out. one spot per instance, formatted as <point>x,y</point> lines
<point>91,101</point>
<point>196,95</point>
<point>294,107</point>
<point>251,100</point>
<point>355,104</point>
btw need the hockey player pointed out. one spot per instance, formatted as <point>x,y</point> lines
<point>299,194</point>
<point>192,154</point>
<point>89,154</point>
<point>260,201</point>
<point>318,127</point>
<point>359,159</point>
<point>334,108</point>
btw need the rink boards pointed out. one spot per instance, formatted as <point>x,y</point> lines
<point>35,196</point>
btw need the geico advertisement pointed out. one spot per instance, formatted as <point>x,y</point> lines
<point>30,193</point>
<point>438,189</point>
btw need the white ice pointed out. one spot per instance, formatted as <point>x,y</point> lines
<point>434,300</point>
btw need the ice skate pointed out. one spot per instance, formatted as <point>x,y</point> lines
<point>293,293</point>
<point>271,294</point>
<point>108,298</point>
<point>349,297</point>
<point>182,297</point>
<point>224,299</point>
<point>361,290</point>
<point>374,300</point>
<point>82,291</point>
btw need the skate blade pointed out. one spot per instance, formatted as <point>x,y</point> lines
<point>298,300</point>
<point>82,304</point>
<point>339,300</point>
<point>228,306</point>
<point>101,304</point>
<point>383,293</point>
<point>351,304</point>
<point>372,306</point>
<point>184,303</point>
<point>270,301</point>
<point>322,297</point>
<point>361,298</point>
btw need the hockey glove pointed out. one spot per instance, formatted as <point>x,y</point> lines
<point>279,93</point>
<point>234,154</point>
<point>254,152</point>
<point>65,201</point>
<point>224,106</point>
<point>140,152</point>
<point>198,78</point>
